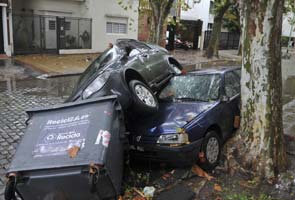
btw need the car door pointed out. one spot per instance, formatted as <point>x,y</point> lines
<point>230,100</point>
<point>157,65</point>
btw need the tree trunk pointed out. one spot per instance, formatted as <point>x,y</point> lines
<point>160,11</point>
<point>241,19</point>
<point>261,88</point>
<point>213,47</point>
<point>240,48</point>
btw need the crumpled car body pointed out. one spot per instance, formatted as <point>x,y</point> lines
<point>127,60</point>
<point>200,108</point>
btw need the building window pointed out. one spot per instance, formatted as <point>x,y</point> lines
<point>211,7</point>
<point>51,25</point>
<point>210,26</point>
<point>119,28</point>
<point>67,26</point>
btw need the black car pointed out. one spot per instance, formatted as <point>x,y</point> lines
<point>132,70</point>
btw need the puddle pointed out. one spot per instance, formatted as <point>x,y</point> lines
<point>55,87</point>
<point>12,69</point>
<point>212,64</point>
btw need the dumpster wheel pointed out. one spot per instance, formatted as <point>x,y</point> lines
<point>93,179</point>
<point>10,189</point>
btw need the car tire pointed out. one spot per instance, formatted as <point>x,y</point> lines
<point>210,149</point>
<point>144,100</point>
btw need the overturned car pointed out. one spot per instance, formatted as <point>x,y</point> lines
<point>132,70</point>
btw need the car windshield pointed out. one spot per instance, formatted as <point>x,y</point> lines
<point>199,87</point>
<point>103,60</point>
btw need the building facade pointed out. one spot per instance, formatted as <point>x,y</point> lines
<point>66,26</point>
<point>198,23</point>
<point>198,19</point>
<point>288,28</point>
<point>6,37</point>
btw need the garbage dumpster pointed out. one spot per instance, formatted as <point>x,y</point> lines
<point>71,151</point>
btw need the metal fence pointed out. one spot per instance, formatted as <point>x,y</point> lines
<point>48,34</point>
<point>227,40</point>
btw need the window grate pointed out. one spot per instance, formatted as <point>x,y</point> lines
<point>51,24</point>
<point>118,28</point>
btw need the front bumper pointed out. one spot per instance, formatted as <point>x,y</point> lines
<point>186,154</point>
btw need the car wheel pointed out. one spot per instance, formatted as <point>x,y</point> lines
<point>210,149</point>
<point>144,101</point>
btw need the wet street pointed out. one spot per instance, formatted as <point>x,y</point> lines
<point>22,88</point>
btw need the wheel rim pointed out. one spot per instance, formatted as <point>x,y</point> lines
<point>145,95</point>
<point>212,150</point>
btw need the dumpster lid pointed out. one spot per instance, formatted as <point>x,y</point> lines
<point>70,134</point>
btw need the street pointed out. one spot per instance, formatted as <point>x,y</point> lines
<point>20,89</point>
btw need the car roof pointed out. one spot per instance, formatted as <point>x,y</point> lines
<point>131,43</point>
<point>216,70</point>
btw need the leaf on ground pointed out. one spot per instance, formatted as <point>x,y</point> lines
<point>217,187</point>
<point>138,197</point>
<point>139,192</point>
<point>200,172</point>
<point>73,151</point>
<point>218,198</point>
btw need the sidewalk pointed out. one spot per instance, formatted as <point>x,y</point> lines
<point>74,64</point>
<point>57,64</point>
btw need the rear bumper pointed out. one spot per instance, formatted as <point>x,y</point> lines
<point>186,154</point>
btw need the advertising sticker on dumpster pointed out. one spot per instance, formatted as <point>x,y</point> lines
<point>60,134</point>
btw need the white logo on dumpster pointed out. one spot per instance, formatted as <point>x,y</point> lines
<point>105,136</point>
<point>50,137</point>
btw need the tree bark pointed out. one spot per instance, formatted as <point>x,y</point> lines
<point>261,88</point>
<point>241,19</point>
<point>160,11</point>
<point>213,46</point>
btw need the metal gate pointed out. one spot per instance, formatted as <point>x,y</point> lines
<point>227,40</point>
<point>48,34</point>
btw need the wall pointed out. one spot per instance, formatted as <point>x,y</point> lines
<point>198,11</point>
<point>287,25</point>
<point>100,13</point>
<point>98,10</point>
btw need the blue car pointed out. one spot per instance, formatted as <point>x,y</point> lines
<point>198,111</point>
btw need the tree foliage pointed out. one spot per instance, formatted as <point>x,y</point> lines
<point>231,19</point>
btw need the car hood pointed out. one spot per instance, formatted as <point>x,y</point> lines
<point>169,118</point>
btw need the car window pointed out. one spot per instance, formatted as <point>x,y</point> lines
<point>201,87</point>
<point>232,83</point>
<point>103,60</point>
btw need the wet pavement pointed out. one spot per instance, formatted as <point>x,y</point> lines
<point>21,89</point>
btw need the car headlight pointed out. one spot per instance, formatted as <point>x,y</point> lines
<point>173,139</point>
<point>96,85</point>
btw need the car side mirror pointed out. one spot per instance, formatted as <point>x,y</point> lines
<point>225,99</point>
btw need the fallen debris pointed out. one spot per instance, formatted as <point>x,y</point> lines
<point>73,151</point>
<point>200,172</point>
<point>149,191</point>
<point>217,187</point>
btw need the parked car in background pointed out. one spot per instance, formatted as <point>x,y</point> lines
<point>197,113</point>
<point>132,70</point>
